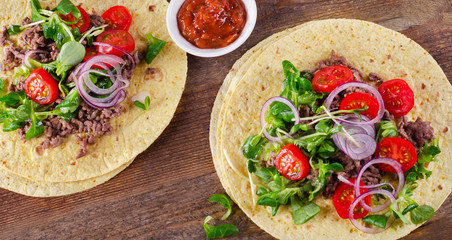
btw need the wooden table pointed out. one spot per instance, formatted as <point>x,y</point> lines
<point>164,193</point>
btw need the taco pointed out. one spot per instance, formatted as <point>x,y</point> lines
<point>365,48</point>
<point>112,100</point>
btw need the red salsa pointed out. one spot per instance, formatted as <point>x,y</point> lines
<point>211,23</point>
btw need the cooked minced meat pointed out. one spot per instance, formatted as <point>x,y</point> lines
<point>33,37</point>
<point>17,87</point>
<point>4,37</point>
<point>351,168</point>
<point>418,132</point>
<point>13,58</point>
<point>96,20</point>
<point>95,122</point>
<point>373,77</point>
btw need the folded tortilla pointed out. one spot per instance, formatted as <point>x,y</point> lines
<point>258,76</point>
<point>133,131</point>
<point>32,188</point>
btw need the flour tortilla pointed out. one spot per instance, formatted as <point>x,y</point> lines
<point>133,131</point>
<point>32,188</point>
<point>369,47</point>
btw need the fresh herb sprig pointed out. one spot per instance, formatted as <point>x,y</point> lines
<point>144,106</point>
<point>219,231</point>
<point>155,45</point>
<point>225,201</point>
<point>223,230</point>
<point>426,154</point>
<point>385,129</point>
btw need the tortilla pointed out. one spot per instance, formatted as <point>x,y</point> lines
<point>370,48</point>
<point>133,131</point>
<point>29,187</point>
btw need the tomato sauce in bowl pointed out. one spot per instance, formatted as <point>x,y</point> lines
<point>211,24</point>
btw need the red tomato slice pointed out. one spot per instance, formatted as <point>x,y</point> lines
<point>83,22</point>
<point>118,38</point>
<point>397,96</point>
<point>41,87</point>
<point>327,79</point>
<point>292,163</point>
<point>358,100</point>
<point>343,197</point>
<point>118,17</point>
<point>398,149</point>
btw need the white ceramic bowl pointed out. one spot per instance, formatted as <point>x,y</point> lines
<point>171,23</point>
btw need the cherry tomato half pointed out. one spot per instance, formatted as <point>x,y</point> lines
<point>343,197</point>
<point>397,96</point>
<point>41,87</point>
<point>118,38</point>
<point>83,22</point>
<point>358,100</point>
<point>398,149</point>
<point>327,79</point>
<point>118,17</point>
<point>292,163</point>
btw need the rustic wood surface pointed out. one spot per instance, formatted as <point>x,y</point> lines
<point>164,193</point>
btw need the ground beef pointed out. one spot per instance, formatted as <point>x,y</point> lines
<point>17,87</point>
<point>331,186</point>
<point>351,168</point>
<point>417,132</point>
<point>305,111</point>
<point>4,37</point>
<point>351,90</point>
<point>95,122</point>
<point>335,103</point>
<point>127,70</point>
<point>139,56</point>
<point>50,55</point>
<point>26,21</point>
<point>271,160</point>
<point>387,116</point>
<point>339,60</point>
<point>373,77</point>
<point>89,139</point>
<point>33,37</point>
<point>13,58</point>
<point>96,20</point>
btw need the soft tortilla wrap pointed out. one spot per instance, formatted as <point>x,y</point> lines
<point>133,131</point>
<point>32,188</point>
<point>370,48</point>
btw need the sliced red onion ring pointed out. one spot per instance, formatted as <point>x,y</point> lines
<point>117,48</point>
<point>350,148</point>
<point>28,55</point>
<point>116,93</point>
<point>105,59</point>
<point>399,171</point>
<point>264,110</point>
<point>367,146</point>
<point>346,181</point>
<point>368,128</point>
<point>359,200</point>
<point>140,97</point>
<point>95,89</point>
<point>363,85</point>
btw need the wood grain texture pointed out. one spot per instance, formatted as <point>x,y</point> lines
<point>164,193</point>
